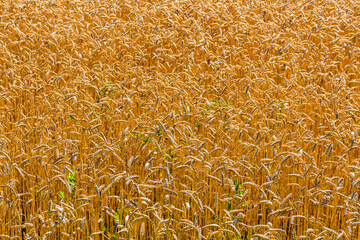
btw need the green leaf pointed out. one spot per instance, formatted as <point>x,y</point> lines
<point>62,195</point>
<point>247,203</point>
<point>229,206</point>
<point>159,132</point>
<point>71,178</point>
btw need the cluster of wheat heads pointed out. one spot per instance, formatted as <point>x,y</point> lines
<point>179,119</point>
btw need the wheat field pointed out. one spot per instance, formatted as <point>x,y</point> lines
<point>179,119</point>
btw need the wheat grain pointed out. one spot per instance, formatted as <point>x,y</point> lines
<point>116,110</point>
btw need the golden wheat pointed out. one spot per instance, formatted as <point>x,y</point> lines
<point>184,119</point>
